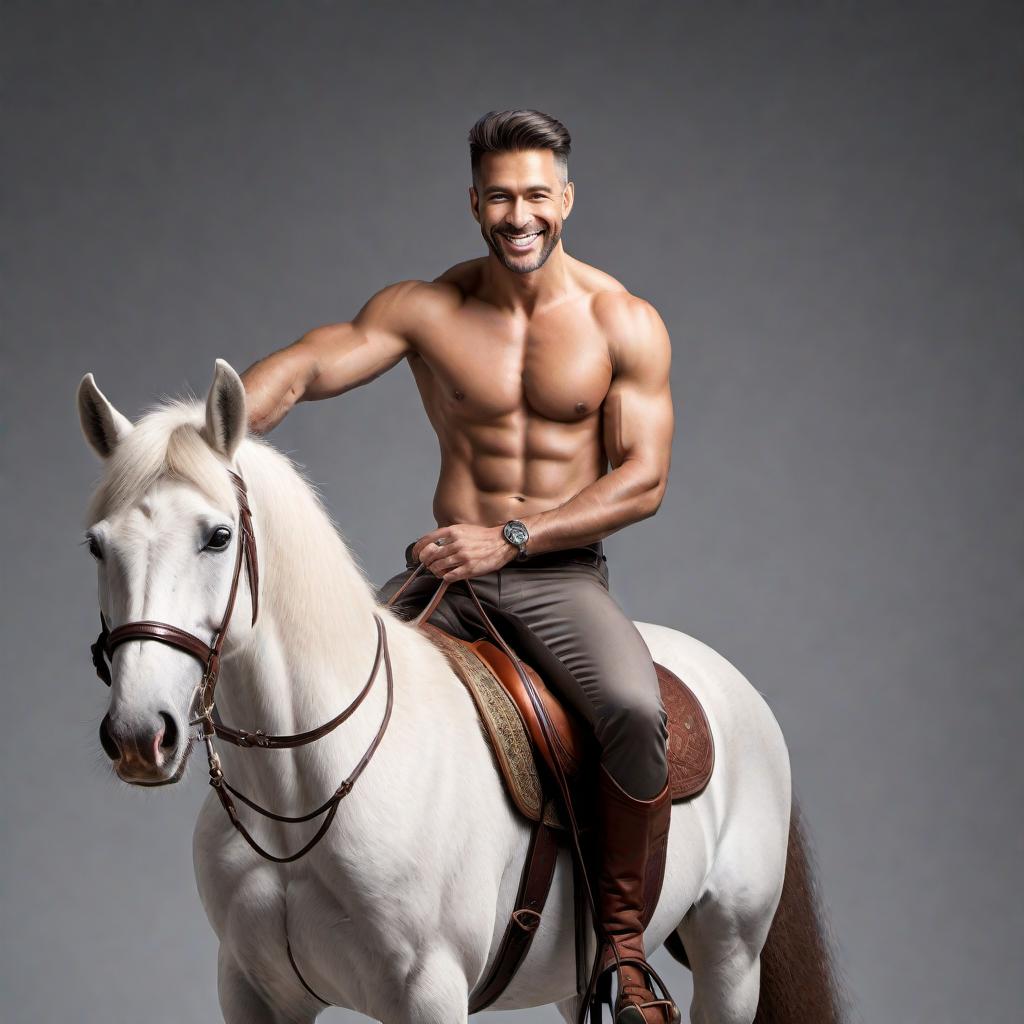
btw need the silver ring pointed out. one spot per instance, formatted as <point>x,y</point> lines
<point>439,542</point>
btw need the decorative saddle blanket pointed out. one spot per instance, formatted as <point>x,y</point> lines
<point>510,722</point>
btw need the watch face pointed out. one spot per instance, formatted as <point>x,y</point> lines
<point>516,533</point>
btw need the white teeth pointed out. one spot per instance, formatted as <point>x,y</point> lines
<point>522,241</point>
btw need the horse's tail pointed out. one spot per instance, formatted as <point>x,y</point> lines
<point>799,984</point>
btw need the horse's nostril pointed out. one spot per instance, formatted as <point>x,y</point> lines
<point>107,741</point>
<point>169,740</point>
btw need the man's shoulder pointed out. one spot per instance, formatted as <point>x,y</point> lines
<point>625,318</point>
<point>442,295</point>
<point>632,327</point>
<point>612,303</point>
<point>413,301</point>
<point>417,291</point>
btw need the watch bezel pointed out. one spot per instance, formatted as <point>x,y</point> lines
<point>512,531</point>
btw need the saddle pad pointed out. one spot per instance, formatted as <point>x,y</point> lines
<point>502,724</point>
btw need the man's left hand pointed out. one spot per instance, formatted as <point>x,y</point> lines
<point>465,550</point>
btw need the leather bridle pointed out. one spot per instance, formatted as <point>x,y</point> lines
<point>209,656</point>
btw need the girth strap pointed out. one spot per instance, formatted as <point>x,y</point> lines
<point>534,886</point>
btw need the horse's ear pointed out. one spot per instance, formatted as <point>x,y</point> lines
<point>226,417</point>
<point>102,424</point>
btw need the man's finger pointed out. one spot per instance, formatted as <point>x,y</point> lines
<point>428,539</point>
<point>442,565</point>
<point>432,554</point>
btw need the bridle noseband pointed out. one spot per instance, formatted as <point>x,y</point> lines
<point>209,656</point>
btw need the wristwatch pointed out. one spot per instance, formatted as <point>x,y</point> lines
<point>517,535</point>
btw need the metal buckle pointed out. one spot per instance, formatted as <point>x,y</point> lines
<point>256,738</point>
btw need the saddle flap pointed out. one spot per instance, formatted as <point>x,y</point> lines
<point>569,735</point>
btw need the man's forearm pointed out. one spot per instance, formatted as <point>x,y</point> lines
<point>275,384</point>
<point>626,495</point>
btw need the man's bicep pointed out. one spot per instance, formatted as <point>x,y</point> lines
<point>638,416</point>
<point>348,355</point>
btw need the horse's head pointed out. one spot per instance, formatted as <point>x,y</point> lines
<point>165,533</point>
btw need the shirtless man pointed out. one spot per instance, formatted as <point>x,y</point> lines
<point>537,372</point>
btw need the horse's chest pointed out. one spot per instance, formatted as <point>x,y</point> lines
<point>273,921</point>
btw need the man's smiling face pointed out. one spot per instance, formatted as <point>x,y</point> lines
<point>521,202</point>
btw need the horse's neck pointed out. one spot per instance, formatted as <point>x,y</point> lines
<point>314,644</point>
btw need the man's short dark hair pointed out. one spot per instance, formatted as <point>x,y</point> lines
<point>503,130</point>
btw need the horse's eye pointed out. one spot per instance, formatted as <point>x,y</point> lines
<point>219,539</point>
<point>94,548</point>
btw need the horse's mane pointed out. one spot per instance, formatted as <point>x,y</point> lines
<point>292,526</point>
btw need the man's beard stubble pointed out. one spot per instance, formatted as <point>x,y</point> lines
<point>551,238</point>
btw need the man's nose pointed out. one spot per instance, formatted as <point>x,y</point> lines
<point>518,216</point>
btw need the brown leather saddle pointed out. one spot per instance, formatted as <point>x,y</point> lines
<point>510,721</point>
<point>496,688</point>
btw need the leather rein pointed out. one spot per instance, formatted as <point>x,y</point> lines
<point>209,656</point>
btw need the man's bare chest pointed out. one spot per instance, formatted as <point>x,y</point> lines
<point>485,371</point>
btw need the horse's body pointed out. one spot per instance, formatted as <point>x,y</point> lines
<point>398,911</point>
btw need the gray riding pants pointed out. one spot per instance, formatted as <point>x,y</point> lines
<point>555,611</point>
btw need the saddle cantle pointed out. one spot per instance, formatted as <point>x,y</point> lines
<point>510,722</point>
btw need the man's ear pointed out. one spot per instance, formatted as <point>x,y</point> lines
<point>568,196</point>
<point>225,411</point>
<point>102,424</point>
<point>474,203</point>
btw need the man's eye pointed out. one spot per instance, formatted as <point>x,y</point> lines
<point>219,539</point>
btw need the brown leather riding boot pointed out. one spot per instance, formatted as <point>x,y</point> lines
<point>633,837</point>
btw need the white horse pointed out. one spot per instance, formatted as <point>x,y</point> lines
<point>398,912</point>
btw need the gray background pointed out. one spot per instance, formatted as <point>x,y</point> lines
<point>824,203</point>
